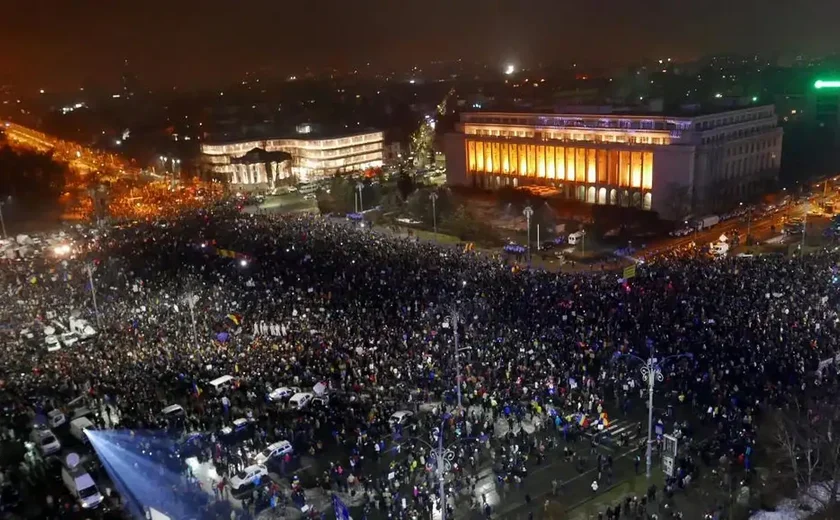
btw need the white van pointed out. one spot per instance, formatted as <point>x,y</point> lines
<point>173,411</point>
<point>78,427</point>
<point>300,400</point>
<point>221,384</point>
<point>81,485</point>
<point>576,237</point>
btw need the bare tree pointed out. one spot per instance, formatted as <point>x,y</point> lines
<point>808,452</point>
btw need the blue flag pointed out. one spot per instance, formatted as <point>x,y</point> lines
<point>341,511</point>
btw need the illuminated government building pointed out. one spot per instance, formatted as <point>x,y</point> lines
<point>631,161</point>
<point>302,158</point>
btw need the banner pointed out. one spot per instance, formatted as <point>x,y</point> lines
<point>341,511</point>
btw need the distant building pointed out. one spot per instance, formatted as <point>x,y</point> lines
<point>672,165</point>
<point>306,156</point>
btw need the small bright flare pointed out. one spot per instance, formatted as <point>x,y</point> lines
<point>510,69</point>
<point>243,262</point>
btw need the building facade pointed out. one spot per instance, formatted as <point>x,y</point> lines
<point>309,158</point>
<point>672,165</point>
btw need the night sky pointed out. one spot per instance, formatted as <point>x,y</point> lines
<point>59,44</point>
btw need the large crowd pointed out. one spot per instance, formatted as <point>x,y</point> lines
<point>308,300</point>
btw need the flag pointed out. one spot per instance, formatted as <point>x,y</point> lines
<point>629,271</point>
<point>341,511</point>
<point>196,390</point>
<point>234,318</point>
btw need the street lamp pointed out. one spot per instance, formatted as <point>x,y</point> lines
<point>434,197</point>
<point>442,458</point>
<point>528,212</point>
<point>192,299</point>
<point>651,371</point>
<point>93,295</point>
<point>455,318</point>
<point>359,188</point>
<point>2,221</point>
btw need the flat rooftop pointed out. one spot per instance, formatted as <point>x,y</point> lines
<point>316,132</point>
<point>593,111</point>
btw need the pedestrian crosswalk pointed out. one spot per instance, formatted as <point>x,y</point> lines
<point>610,437</point>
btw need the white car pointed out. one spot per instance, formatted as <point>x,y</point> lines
<point>300,400</point>
<point>45,440</point>
<point>400,418</point>
<point>249,475</point>
<point>283,393</point>
<point>310,196</point>
<point>237,426</point>
<point>277,449</point>
<point>52,343</point>
<point>69,338</point>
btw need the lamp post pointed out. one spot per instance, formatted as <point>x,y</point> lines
<point>192,299</point>
<point>359,188</point>
<point>804,232</point>
<point>434,197</point>
<point>528,212</point>
<point>651,370</point>
<point>458,350</point>
<point>442,458</point>
<point>2,221</point>
<point>93,295</point>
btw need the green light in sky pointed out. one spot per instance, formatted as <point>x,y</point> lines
<point>826,84</point>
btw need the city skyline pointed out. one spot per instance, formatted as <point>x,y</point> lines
<point>190,44</point>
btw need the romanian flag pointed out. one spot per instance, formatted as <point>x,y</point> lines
<point>196,390</point>
<point>237,320</point>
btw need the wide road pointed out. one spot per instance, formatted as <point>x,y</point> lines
<point>80,158</point>
<point>759,228</point>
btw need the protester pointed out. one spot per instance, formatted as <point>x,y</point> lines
<point>302,300</point>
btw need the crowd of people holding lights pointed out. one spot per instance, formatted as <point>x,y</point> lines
<point>298,301</point>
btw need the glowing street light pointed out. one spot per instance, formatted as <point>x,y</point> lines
<point>509,69</point>
<point>651,370</point>
<point>821,83</point>
<point>528,212</point>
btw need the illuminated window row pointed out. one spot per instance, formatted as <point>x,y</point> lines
<point>271,145</point>
<point>660,138</point>
<point>623,168</point>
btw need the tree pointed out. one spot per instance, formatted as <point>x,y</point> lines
<point>343,194</point>
<point>544,217</point>
<point>422,143</point>
<point>405,185</point>
<point>420,205</point>
<point>32,179</point>
<point>678,199</point>
<point>392,201</point>
<point>807,451</point>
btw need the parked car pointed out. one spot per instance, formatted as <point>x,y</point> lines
<point>300,400</point>
<point>45,440</point>
<point>277,449</point>
<point>400,418</point>
<point>251,475</point>
<point>283,393</point>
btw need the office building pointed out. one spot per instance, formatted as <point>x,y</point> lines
<point>303,157</point>
<point>671,165</point>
